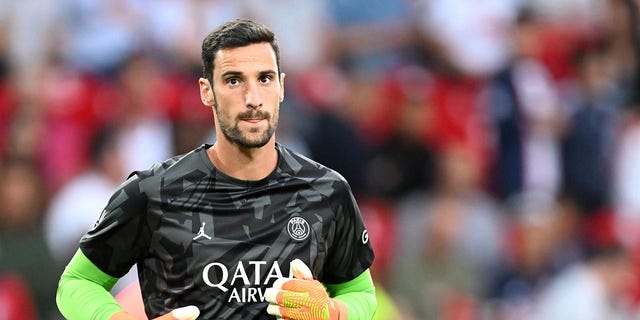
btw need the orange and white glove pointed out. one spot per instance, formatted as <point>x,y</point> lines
<point>302,298</point>
<point>184,313</point>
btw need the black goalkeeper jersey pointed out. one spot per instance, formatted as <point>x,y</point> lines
<point>200,237</point>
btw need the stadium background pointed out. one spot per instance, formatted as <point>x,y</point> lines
<point>494,145</point>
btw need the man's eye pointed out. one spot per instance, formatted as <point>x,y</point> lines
<point>233,81</point>
<point>265,79</point>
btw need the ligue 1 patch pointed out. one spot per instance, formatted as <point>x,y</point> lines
<point>298,228</point>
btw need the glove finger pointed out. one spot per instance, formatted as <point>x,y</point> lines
<point>280,282</point>
<point>184,313</point>
<point>300,270</point>
<point>281,312</point>
<point>276,310</point>
<point>273,295</point>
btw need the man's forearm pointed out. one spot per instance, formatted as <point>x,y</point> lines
<point>359,296</point>
<point>83,291</point>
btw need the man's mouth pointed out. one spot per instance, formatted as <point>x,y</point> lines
<point>253,120</point>
<point>253,117</point>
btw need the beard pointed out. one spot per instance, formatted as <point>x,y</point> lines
<point>230,129</point>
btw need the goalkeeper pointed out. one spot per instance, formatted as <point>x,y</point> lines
<point>213,232</point>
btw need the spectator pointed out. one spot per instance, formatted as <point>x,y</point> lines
<point>142,119</point>
<point>589,290</point>
<point>325,90</point>
<point>100,35</point>
<point>450,243</point>
<point>23,249</point>
<point>540,241</point>
<point>588,140</point>
<point>369,37</point>
<point>402,162</point>
<point>526,115</point>
<point>468,38</point>
<point>76,207</point>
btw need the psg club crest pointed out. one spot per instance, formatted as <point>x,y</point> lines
<point>298,228</point>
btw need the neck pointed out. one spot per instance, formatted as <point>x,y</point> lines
<point>249,164</point>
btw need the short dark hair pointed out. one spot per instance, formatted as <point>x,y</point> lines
<point>234,34</point>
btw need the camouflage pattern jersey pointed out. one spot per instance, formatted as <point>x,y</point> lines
<point>204,238</point>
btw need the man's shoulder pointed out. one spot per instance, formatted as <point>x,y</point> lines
<point>188,166</point>
<point>304,167</point>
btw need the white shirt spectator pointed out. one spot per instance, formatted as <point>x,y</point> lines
<point>474,33</point>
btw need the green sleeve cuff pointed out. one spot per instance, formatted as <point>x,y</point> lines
<point>359,295</point>
<point>83,291</point>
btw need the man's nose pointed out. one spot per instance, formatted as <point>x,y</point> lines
<point>253,96</point>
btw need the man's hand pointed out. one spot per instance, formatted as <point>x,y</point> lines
<point>184,313</point>
<point>302,298</point>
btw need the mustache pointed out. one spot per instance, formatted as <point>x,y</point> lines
<point>253,114</point>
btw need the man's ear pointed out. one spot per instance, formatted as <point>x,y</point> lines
<point>206,92</point>
<point>282,75</point>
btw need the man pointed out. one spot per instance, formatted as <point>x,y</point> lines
<point>219,227</point>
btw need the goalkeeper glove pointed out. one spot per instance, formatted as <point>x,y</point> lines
<point>302,298</point>
<point>184,313</point>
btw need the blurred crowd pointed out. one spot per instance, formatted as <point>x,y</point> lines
<point>493,145</point>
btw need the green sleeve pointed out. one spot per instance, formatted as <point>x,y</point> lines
<point>359,295</point>
<point>83,291</point>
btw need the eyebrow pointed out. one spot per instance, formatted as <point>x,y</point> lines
<point>267,72</point>
<point>230,73</point>
<point>238,73</point>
